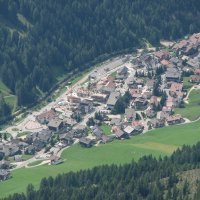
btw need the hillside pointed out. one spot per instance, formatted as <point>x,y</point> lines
<point>175,177</point>
<point>42,40</point>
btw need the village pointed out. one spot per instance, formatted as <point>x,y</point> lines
<point>137,93</point>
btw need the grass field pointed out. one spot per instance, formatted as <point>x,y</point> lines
<point>191,110</point>
<point>186,83</point>
<point>37,162</point>
<point>106,129</point>
<point>157,142</point>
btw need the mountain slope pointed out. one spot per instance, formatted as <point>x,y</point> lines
<point>38,38</point>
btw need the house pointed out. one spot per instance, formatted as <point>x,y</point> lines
<point>197,71</point>
<point>4,164</point>
<point>195,79</point>
<point>154,100</point>
<point>138,127</point>
<point>30,150</point>
<point>99,97</point>
<point>157,123</point>
<point>150,113</point>
<point>121,134</point>
<point>86,106</point>
<point>66,138</point>
<point>97,132</point>
<point>129,130</point>
<point>176,89</point>
<point>55,124</point>
<point>55,160</point>
<point>105,139</point>
<point>115,121</point>
<point>135,93</point>
<point>85,142</point>
<point>4,174</point>
<point>171,102</point>
<point>46,116</point>
<point>80,131</point>
<point>162,55</point>
<point>150,84</point>
<point>130,114</point>
<point>140,103</point>
<point>175,119</point>
<point>168,109</point>
<point>112,100</point>
<point>123,71</point>
<point>173,74</point>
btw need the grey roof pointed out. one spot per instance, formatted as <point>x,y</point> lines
<point>55,123</point>
<point>114,96</point>
<point>130,112</point>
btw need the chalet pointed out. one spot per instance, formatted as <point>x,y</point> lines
<point>175,119</point>
<point>195,79</point>
<point>138,127</point>
<point>4,164</point>
<point>150,84</point>
<point>30,150</point>
<point>154,100</point>
<point>46,116</point>
<point>192,63</point>
<point>55,160</point>
<point>135,93</point>
<point>123,71</point>
<point>105,139</point>
<point>150,113</point>
<point>4,174</point>
<point>121,134</point>
<point>116,122</point>
<point>167,109</point>
<point>157,123</point>
<point>130,114</point>
<point>73,99</point>
<point>66,138</point>
<point>97,132</point>
<point>172,74</point>
<point>175,89</point>
<point>197,71</point>
<point>99,97</point>
<point>80,131</point>
<point>162,55</point>
<point>129,130</point>
<point>86,106</point>
<point>55,124</point>
<point>85,142</point>
<point>112,100</point>
<point>141,103</point>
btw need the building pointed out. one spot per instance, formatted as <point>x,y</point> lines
<point>55,125</point>
<point>175,119</point>
<point>85,142</point>
<point>140,103</point>
<point>130,114</point>
<point>4,174</point>
<point>46,116</point>
<point>112,100</point>
<point>157,123</point>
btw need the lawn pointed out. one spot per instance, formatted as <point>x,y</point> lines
<point>191,110</point>
<point>186,83</point>
<point>12,101</point>
<point>157,142</point>
<point>106,129</point>
<point>37,162</point>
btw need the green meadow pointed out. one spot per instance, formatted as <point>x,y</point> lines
<point>192,109</point>
<point>159,142</point>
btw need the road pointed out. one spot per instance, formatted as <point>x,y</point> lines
<point>103,70</point>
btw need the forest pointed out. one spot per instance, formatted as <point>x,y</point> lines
<point>40,40</point>
<point>147,179</point>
